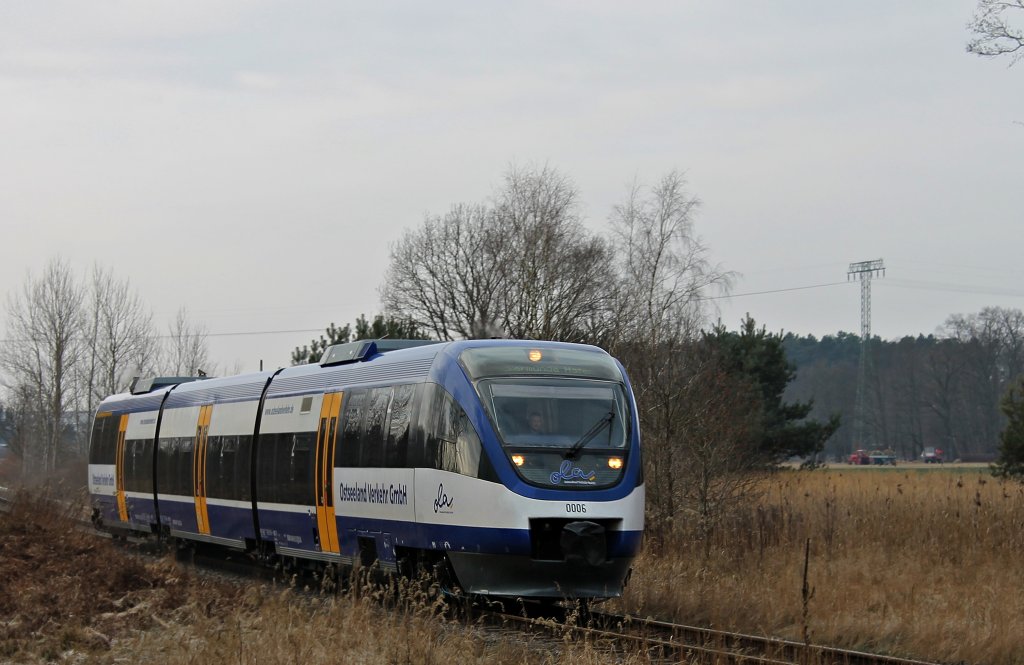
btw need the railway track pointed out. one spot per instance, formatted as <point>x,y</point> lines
<point>669,642</point>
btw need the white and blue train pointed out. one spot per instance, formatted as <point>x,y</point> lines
<point>510,467</point>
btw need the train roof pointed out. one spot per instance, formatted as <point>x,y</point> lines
<point>361,362</point>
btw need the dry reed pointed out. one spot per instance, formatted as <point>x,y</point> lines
<point>924,563</point>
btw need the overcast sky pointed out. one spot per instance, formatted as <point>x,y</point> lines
<point>254,160</point>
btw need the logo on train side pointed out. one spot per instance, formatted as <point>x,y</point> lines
<point>103,479</point>
<point>572,475</point>
<point>443,502</point>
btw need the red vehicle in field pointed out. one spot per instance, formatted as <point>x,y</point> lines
<point>859,457</point>
<point>931,455</point>
<point>879,457</point>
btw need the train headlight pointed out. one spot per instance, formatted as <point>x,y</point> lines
<point>614,462</point>
<point>535,355</point>
<point>518,460</point>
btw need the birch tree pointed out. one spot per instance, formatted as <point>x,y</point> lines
<point>186,351</point>
<point>40,356</point>
<point>120,341</point>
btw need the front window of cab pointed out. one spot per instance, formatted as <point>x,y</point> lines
<point>562,415</point>
<point>556,413</point>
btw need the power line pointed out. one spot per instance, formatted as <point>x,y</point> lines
<point>761,293</point>
<point>899,283</point>
<point>248,333</point>
<point>954,288</point>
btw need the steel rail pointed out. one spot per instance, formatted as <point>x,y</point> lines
<point>694,644</point>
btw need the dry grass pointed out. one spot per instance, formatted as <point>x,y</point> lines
<point>925,563</point>
<point>70,597</point>
<point>285,627</point>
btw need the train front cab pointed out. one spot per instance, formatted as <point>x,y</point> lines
<point>565,515</point>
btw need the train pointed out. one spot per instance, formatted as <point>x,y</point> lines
<point>509,468</point>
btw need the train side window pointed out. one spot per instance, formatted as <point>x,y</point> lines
<point>221,457</point>
<point>372,442</point>
<point>183,470</point>
<point>397,443</point>
<point>214,466</point>
<point>242,487</point>
<point>103,448</point>
<point>284,468</point>
<point>300,468</point>
<point>227,467</point>
<point>130,464</point>
<point>267,484</point>
<point>419,427</point>
<point>450,441</point>
<point>138,465</point>
<point>460,450</point>
<point>175,459</point>
<point>347,453</point>
<point>467,444</point>
<point>430,405</point>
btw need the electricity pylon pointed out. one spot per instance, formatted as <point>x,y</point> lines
<point>864,271</point>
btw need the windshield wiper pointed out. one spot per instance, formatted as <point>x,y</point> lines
<point>606,420</point>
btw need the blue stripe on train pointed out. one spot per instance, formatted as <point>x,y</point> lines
<point>179,515</point>
<point>107,507</point>
<point>141,512</point>
<point>299,531</point>
<point>230,522</point>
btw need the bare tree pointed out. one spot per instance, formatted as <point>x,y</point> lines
<point>995,35</point>
<point>186,352</point>
<point>21,415</point>
<point>120,342</point>
<point>554,273</point>
<point>524,267</point>
<point>990,345</point>
<point>663,275</point>
<point>445,277</point>
<point>40,355</point>
<point>718,439</point>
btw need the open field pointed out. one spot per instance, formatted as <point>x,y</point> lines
<point>918,561</point>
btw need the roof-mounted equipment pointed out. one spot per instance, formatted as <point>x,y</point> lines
<point>340,354</point>
<point>141,386</point>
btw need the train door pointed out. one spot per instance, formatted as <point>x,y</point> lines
<point>122,502</point>
<point>326,440</point>
<point>199,469</point>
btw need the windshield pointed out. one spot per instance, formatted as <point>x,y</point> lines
<point>557,413</point>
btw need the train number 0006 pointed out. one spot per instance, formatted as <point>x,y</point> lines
<point>575,507</point>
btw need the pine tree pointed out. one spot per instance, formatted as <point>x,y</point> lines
<point>379,328</point>
<point>759,357</point>
<point>1011,440</point>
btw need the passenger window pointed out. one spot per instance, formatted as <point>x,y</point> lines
<point>372,448</point>
<point>397,444</point>
<point>347,454</point>
<point>104,440</point>
<point>450,441</point>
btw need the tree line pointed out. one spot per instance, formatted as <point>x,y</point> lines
<point>943,390</point>
<point>70,341</point>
